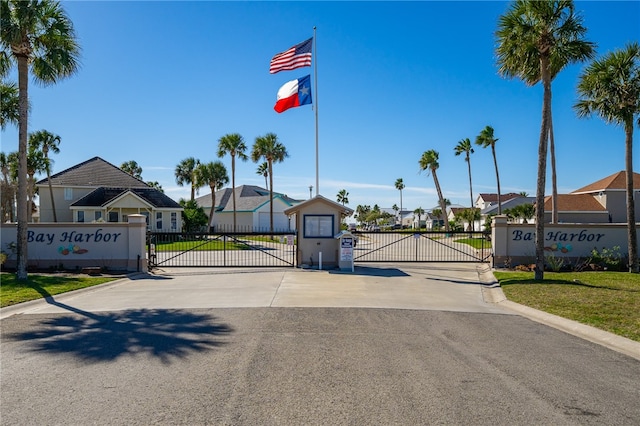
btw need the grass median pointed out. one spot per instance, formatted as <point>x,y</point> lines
<point>609,301</point>
<point>38,286</point>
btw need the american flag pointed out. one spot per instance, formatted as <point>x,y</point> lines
<point>297,57</point>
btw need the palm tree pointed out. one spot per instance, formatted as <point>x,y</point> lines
<point>155,185</point>
<point>39,37</point>
<point>270,149</point>
<point>343,197</point>
<point>36,163</point>
<point>419,212</point>
<point>10,111</point>
<point>185,173</point>
<point>8,191</point>
<point>232,144</point>
<point>400,186</point>
<point>486,139</point>
<point>263,170</point>
<point>132,168</point>
<point>610,88</point>
<point>464,146</point>
<point>46,141</point>
<point>395,209</point>
<point>429,162</point>
<point>215,175</point>
<point>536,40</point>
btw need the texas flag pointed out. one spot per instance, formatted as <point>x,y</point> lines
<point>293,94</point>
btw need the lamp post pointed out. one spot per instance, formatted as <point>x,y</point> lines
<point>310,190</point>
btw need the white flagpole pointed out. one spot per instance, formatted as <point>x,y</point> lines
<point>315,80</point>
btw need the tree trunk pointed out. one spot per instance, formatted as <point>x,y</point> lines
<point>53,203</point>
<point>554,183</point>
<point>632,239</point>
<point>233,189</point>
<point>542,167</point>
<point>495,163</point>
<point>213,205</point>
<point>21,196</point>
<point>443,206</point>
<point>470,191</point>
<point>270,196</point>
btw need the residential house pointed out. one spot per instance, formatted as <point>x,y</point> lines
<point>599,202</point>
<point>252,209</point>
<point>98,191</point>
<point>492,210</point>
<point>486,200</point>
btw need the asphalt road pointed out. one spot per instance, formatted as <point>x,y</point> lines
<point>307,366</point>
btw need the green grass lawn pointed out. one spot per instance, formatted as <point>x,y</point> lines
<point>476,243</point>
<point>39,286</point>
<point>217,244</point>
<point>607,300</point>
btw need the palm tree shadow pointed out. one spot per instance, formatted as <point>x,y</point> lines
<point>164,334</point>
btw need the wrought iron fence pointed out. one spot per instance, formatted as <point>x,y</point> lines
<point>221,249</point>
<point>422,246</point>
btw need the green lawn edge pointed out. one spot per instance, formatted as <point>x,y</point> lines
<point>609,301</point>
<point>40,286</point>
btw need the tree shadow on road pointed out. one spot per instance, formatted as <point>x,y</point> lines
<point>164,334</point>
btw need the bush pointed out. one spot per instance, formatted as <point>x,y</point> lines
<point>608,259</point>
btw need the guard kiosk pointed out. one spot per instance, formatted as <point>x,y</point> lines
<point>347,242</point>
<point>317,221</point>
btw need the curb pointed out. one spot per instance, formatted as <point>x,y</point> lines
<point>20,308</point>
<point>492,293</point>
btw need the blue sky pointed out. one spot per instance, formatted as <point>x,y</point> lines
<point>162,81</point>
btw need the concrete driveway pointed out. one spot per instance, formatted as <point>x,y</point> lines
<point>443,286</point>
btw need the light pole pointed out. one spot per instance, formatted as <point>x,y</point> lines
<point>310,190</point>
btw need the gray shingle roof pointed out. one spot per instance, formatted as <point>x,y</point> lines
<point>248,198</point>
<point>102,196</point>
<point>94,172</point>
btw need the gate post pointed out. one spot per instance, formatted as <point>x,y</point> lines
<point>137,241</point>
<point>500,239</point>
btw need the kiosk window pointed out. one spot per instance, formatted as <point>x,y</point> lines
<point>318,226</point>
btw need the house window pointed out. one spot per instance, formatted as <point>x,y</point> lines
<point>113,216</point>
<point>174,220</point>
<point>80,216</point>
<point>68,194</point>
<point>146,217</point>
<point>159,220</point>
<point>97,215</point>
<point>318,226</point>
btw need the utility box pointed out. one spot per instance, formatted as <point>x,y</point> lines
<point>318,222</point>
<point>347,242</point>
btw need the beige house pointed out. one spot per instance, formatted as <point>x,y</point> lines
<point>252,209</point>
<point>599,202</point>
<point>98,191</point>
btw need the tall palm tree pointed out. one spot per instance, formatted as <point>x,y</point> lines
<point>263,170</point>
<point>610,88</point>
<point>233,144</point>
<point>46,141</point>
<point>215,175</point>
<point>10,111</point>
<point>131,167</point>
<point>536,40</point>
<point>429,162</point>
<point>400,186</point>
<point>185,173</point>
<point>268,147</point>
<point>486,139</point>
<point>37,36</point>
<point>464,146</point>
<point>343,197</point>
